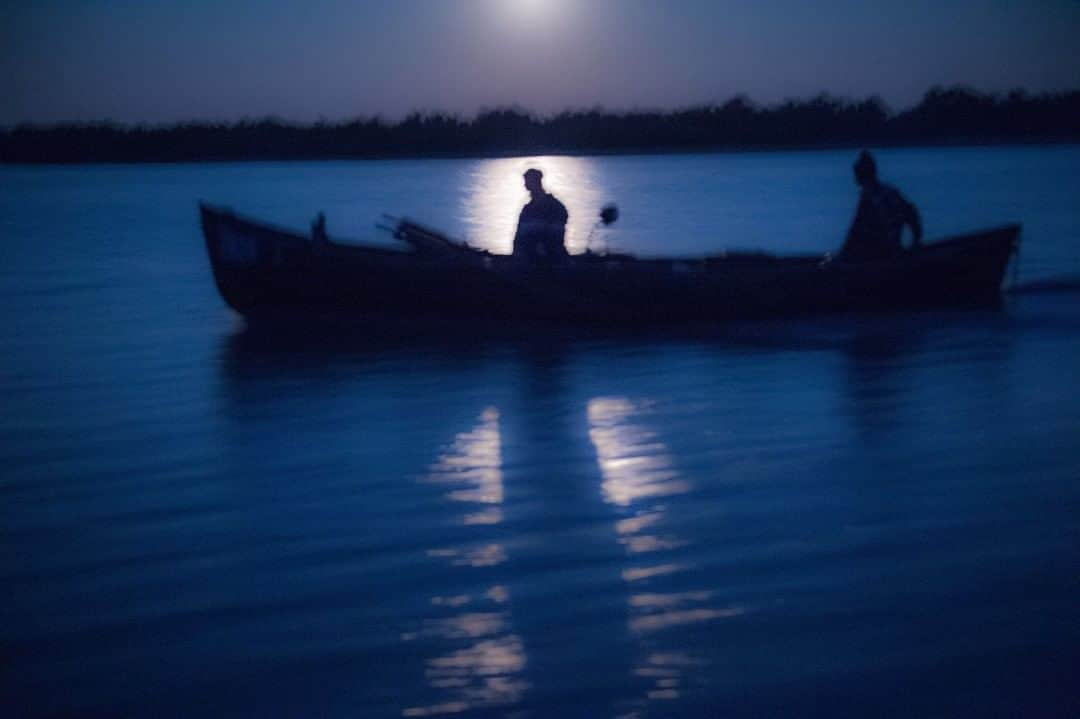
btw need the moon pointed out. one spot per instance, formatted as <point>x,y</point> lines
<point>533,10</point>
<point>528,7</point>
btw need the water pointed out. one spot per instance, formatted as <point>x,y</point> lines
<point>866,516</point>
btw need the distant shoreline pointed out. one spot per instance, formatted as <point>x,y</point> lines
<point>956,117</point>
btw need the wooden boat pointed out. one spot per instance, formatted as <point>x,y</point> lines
<point>266,272</point>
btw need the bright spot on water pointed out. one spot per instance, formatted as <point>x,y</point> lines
<point>496,193</point>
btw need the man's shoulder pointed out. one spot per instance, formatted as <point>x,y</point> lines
<point>881,191</point>
<point>545,207</point>
<point>553,203</point>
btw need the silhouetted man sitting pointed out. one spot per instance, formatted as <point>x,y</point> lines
<point>541,226</point>
<point>880,217</point>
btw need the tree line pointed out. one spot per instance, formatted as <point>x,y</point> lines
<point>954,115</point>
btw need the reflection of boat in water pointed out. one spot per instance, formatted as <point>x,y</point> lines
<point>262,271</point>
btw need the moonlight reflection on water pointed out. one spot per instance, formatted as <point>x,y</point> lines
<point>201,520</point>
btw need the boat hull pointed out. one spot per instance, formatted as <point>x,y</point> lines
<point>266,272</point>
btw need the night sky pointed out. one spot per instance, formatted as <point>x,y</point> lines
<point>165,61</point>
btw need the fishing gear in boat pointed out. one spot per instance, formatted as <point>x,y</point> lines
<point>608,215</point>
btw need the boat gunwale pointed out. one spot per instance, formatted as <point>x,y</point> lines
<point>914,253</point>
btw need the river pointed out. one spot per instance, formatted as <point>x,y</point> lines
<point>862,516</point>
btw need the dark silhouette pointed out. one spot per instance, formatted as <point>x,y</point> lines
<point>944,116</point>
<point>541,226</point>
<point>268,273</point>
<point>880,217</point>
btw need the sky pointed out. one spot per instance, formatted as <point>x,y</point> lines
<point>163,61</point>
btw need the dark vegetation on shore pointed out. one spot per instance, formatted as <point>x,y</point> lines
<point>944,116</point>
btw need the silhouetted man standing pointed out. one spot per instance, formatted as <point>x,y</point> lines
<point>880,217</point>
<point>541,226</point>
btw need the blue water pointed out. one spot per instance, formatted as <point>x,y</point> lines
<point>857,516</point>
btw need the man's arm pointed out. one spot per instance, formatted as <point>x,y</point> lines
<point>858,223</point>
<point>563,214</point>
<point>911,217</point>
<point>518,235</point>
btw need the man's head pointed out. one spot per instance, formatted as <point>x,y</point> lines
<point>534,180</point>
<point>865,169</point>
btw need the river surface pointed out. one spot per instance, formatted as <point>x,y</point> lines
<point>852,516</point>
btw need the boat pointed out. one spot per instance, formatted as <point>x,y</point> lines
<point>265,272</point>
